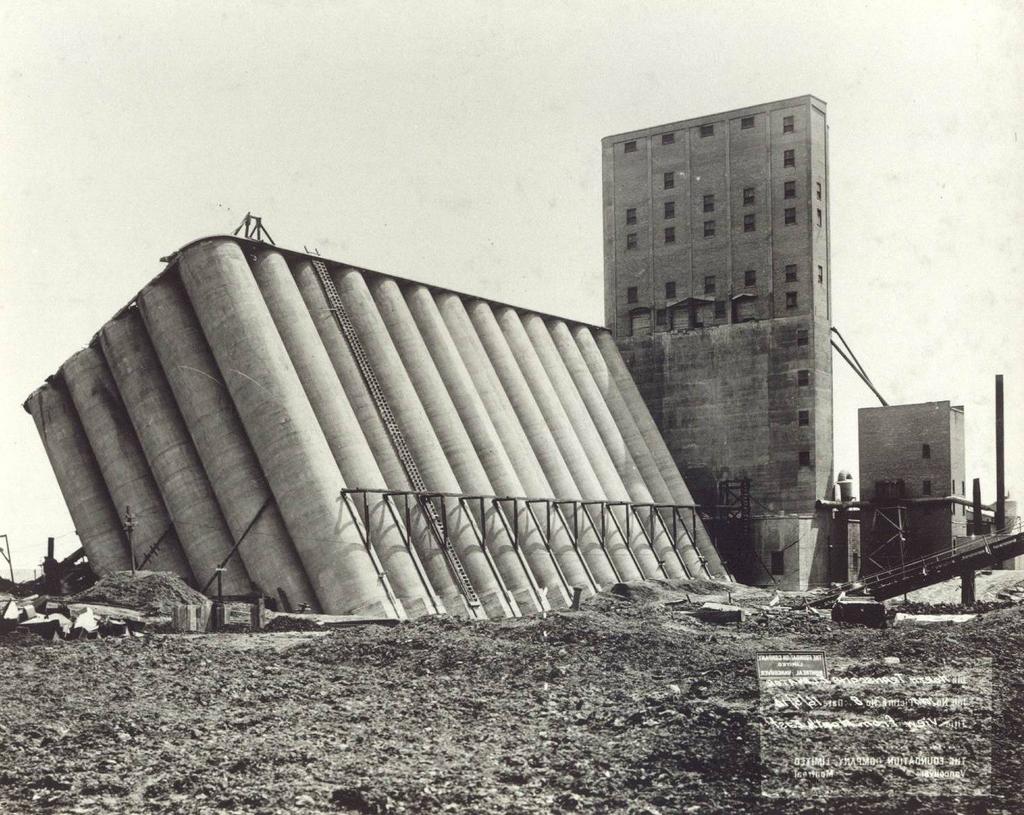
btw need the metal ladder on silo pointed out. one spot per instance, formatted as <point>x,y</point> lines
<point>405,456</point>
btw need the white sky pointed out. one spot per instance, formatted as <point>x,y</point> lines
<point>461,145</point>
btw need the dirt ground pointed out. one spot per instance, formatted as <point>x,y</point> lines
<point>627,706</point>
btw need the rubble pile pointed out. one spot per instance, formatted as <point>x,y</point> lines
<point>148,592</point>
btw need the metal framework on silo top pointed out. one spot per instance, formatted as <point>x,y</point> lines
<point>354,442</point>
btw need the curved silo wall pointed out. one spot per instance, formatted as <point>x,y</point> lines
<point>376,434</point>
<point>123,464</point>
<point>495,402</point>
<point>455,440</point>
<point>283,429</point>
<point>179,475</point>
<point>262,542</point>
<point>543,438</point>
<point>608,438</point>
<point>623,426</point>
<point>627,566</point>
<point>78,476</point>
<point>673,479</point>
<point>422,439</point>
<point>485,439</point>
<point>647,560</point>
<point>341,429</point>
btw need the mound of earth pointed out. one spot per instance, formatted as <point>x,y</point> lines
<point>152,592</point>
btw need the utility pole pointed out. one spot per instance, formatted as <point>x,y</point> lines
<point>10,563</point>
<point>1000,459</point>
<point>129,527</point>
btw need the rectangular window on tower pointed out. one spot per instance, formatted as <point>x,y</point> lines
<point>790,216</point>
<point>789,189</point>
<point>668,138</point>
<point>790,299</point>
<point>670,210</point>
<point>819,217</point>
<point>787,124</point>
<point>709,203</point>
<point>926,487</point>
<point>709,229</point>
<point>709,284</point>
<point>821,275</point>
<point>926,451</point>
<point>746,122</point>
<point>629,147</point>
<point>659,317</point>
<point>670,290</point>
<point>818,190</point>
<point>668,180</point>
<point>631,294</point>
<point>630,216</point>
<point>707,130</point>
<point>631,240</point>
<point>789,158</point>
<point>749,224</point>
<point>805,458</point>
<point>803,418</point>
<point>801,336</point>
<point>790,272</point>
<point>748,196</point>
<point>750,277</point>
<point>670,234</point>
<point>803,378</point>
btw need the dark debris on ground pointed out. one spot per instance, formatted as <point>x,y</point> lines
<point>626,706</point>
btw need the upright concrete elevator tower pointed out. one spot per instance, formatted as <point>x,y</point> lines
<point>717,291</point>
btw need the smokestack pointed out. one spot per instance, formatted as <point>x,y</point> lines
<point>1000,462</point>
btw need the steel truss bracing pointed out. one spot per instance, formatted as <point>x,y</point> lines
<point>575,517</point>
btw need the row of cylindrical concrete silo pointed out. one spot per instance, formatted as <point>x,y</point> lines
<point>228,426</point>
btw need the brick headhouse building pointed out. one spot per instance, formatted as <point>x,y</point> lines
<point>717,289</point>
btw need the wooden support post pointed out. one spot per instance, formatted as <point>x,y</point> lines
<point>967,597</point>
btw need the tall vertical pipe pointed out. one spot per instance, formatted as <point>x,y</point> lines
<point>480,430</point>
<point>421,436</point>
<point>568,442</point>
<point>79,478</point>
<point>670,472</point>
<point>283,429</point>
<point>1000,458</point>
<point>262,542</point>
<point>341,429</point>
<point>542,437</point>
<point>513,438</point>
<point>172,458</point>
<point>124,467</point>
<point>652,563</point>
<point>976,506</point>
<point>376,434</point>
<point>678,563</point>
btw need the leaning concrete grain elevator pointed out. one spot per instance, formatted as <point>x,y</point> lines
<point>350,442</point>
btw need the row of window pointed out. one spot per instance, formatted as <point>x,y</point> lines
<point>706,131</point>
<point>668,180</point>
<point>708,203</point>
<point>710,227</point>
<point>749,279</point>
<point>792,301</point>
